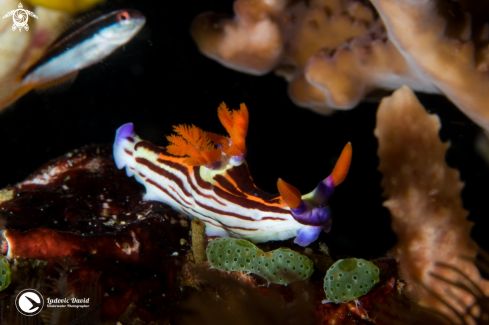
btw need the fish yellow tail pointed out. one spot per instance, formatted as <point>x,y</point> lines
<point>12,90</point>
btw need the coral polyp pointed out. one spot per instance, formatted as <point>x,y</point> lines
<point>281,266</point>
<point>349,279</point>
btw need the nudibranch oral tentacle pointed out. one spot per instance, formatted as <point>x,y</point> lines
<point>204,175</point>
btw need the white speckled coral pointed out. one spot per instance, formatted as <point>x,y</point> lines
<point>423,196</point>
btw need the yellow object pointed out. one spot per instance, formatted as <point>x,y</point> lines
<point>69,6</point>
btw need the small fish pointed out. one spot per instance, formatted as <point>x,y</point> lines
<point>74,50</point>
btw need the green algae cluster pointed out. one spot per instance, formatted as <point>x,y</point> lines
<point>349,279</point>
<point>4,273</point>
<point>281,266</point>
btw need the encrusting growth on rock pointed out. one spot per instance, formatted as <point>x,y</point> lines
<point>349,279</point>
<point>281,266</point>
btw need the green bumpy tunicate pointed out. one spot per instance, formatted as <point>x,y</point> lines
<point>349,279</point>
<point>4,273</point>
<point>281,266</point>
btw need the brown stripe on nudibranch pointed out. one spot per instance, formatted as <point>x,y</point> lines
<point>200,182</point>
<point>247,203</point>
<point>225,185</point>
<point>214,223</point>
<point>185,170</point>
<point>180,167</point>
<point>176,192</point>
<point>242,177</point>
<point>229,213</point>
<point>164,173</point>
<point>149,146</point>
<point>128,152</point>
<point>232,227</point>
<point>162,189</point>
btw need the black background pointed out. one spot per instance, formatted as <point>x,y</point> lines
<point>160,79</point>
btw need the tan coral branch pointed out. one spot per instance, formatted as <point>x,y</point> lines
<point>424,200</point>
<point>332,52</point>
<point>419,32</point>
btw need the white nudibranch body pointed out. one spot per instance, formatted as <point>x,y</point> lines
<point>204,175</point>
<point>228,204</point>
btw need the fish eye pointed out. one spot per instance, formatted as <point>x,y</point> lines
<point>123,15</point>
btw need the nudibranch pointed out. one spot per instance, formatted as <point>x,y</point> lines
<point>204,175</point>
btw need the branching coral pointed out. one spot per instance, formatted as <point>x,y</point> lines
<point>424,200</point>
<point>452,65</point>
<point>332,52</point>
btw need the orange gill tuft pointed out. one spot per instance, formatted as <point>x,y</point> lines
<point>194,144</point>
<point>236,124</point>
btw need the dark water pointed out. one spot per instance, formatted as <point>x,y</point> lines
<point>160,79</point>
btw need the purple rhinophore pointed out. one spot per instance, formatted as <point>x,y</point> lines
<point>314,209</point>
<point>312,214</point>
<point>124,136</point>
<point>324,190</point>
<point>307,235</point>
<point>126,130</point>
